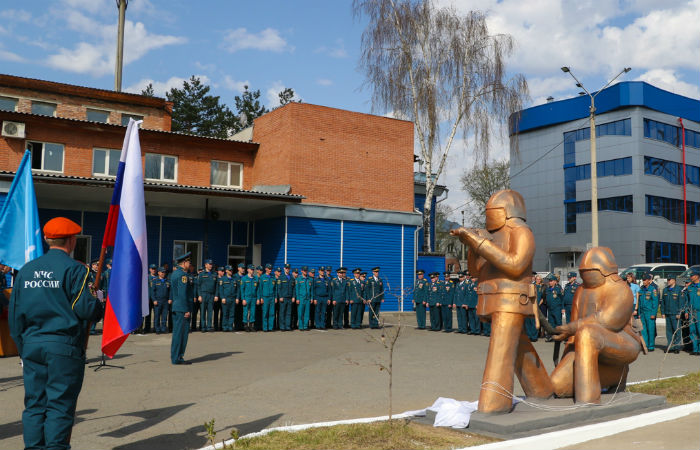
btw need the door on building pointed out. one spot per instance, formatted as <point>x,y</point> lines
<point>195,249</point>
<point>236,255</point>
<point>257,254</point>
<point>82,249</point>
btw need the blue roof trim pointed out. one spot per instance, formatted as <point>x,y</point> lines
<point>621,95</point>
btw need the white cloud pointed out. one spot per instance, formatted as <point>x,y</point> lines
<point>161,87</point>
<point>98,58</point>
<point>94,6</point>
<point>238,86</point>
<point>268,39</point>
<point>272,93</point>
<point>667,79</point>
<point>336,52</point>
<point>6,55</point>
<point>324,82</point>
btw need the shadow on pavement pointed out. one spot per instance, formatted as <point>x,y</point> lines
<point>11,382</point>
<point>13,429</point>
<point>97,359</point>
<point>211,357</point>
<point>149,417</point>
<point>194,437</point>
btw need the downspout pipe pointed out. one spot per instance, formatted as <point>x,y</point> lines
<point>685,206</point>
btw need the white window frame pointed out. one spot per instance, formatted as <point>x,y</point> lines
<point>46,103</point>
<point>88,247</point>
<point>228,173</point>
<point>108,150</point>
<point>162,167</point>
<point>11,98</point>
<point>196,259</point>
<point>232,258</point>
<point>132,115</point>
<point>97,110</point>
<point>43,149</point>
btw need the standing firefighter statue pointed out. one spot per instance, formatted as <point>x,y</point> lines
<point>601,342</point>
<point>501,256</point>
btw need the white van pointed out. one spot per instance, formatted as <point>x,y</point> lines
<point>660,271</point>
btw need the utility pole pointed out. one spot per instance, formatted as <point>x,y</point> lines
<point>594,162</point>
<point>460,241</point>
<point>121,4</point>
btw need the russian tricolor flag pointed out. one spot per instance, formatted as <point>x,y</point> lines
<point>127,299</point>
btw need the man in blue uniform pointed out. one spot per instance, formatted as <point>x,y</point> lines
<point>671,305</point>
<point>206,285</point>
<point>285,293</point>
<point>530,324</point>
<point>159,292</point>
<point>475,325</point>
<point>365,295</point>
<point>692,309</point>
<point>338,298</point>
<point>226,291</point>
<point>238,324</point>
<point>555,305</point>
<point>268,298</point>
<point>447,302</point>
<point>461,292</point>
<point>420,298</point>
<point>220,273</point>
<point>356,299</point>
<point>302,294</point>
<point>646,308</point>
<point>434,297</point>
<point>182,296</point>
<point>49,308</point>
<point>375,297</point>
<point>321,295</point>
<point>249,298</point>
<point>569,291</point>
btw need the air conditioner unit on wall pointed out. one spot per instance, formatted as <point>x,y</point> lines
<point>13,129</point>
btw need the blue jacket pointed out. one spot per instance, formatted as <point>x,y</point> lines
<point>692,298</point>
<point>374,289</point>
<point>249,288</point>
<point>554,298</point>
<point>51,301</point>
<point>321,288</point>
<point>461,292</point>
<point>447,291</point>
<point>355,290</point>
<point>303,289</point>
<point>339,290</point>
<point>226,288</point>
<point>181,290</point>
<point>435,293</point>
<point>648,300</point>
<point>267,287</point>
<point>569,291</point>
<point>159,289</point>
<point>473,297</point>
<point>421,290</point>
<point>285,286</point>
<point>672,301</point>
<point>206,283</point>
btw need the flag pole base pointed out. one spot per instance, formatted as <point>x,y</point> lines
<point>104,365</point>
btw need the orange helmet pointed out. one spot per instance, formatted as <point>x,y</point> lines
<point>511,201</point>
<point>600,258</point>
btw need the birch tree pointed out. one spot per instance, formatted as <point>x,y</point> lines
<point>443,71</point>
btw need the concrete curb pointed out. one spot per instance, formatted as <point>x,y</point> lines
<point>564,438</point>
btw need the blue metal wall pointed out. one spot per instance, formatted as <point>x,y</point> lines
<point>313,242</point>
<point>270,234</point>
<point>3,196</point>
<point>431,263</point>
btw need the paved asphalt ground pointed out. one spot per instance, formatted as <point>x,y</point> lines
<point>257,380</point>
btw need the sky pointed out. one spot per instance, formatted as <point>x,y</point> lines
<point>313,46</point>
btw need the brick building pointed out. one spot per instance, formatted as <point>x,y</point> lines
<point>305,185</point>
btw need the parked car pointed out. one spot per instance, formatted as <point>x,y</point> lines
<point>660,271</point>
<point>685,276</point>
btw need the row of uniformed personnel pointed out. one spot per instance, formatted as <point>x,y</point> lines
<point>218,295</point>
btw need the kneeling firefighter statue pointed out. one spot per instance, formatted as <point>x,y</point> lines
<point>501,256</point>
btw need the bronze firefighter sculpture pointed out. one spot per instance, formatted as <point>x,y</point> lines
<point>601,342</point>
<point>501,256</point>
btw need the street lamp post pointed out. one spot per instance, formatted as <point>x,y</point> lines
<point>594,165</point>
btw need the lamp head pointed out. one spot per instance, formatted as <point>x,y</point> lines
<point>565,69</point>
<point>627,69</point>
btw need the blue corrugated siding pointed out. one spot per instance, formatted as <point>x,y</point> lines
<point>408,268</point>
<point>94,226</point>
<point>431,264</point>
<point>366,245</point>
<point>178,228</point>
<point>152,234</point>
<point>270,234</point>
<point>3,196</point>
<point>240,233</point>
<point>312,242</point>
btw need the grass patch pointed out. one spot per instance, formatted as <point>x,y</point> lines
<point>397,434</point>
<point>678,391</point>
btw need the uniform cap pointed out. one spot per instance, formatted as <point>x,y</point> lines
<point>572,274</point>
<point>278,269</point>
<point>647,276</point>
<point>268,266</point>
<point>357,270</point>
<point>208,261</point>
<point>161,269</point>
<point>221,268</point>
<point>109,261</point>
<point>259,268</point>
<point>374,269</point>
<point>343,269</point>
<point>420,271</point>
<point>339,270</point>
<point>551,277</point>
<point>671,276</point>
<point>295,271</point>
<point>694,271</point>
<point>304,268</point>
<point>251,266</point>
<point>287,266</point>
<point>328,268</point>
<point>60,227</point>
<point>447,272</point>
<point>434,274</point>
<point>321,268</point>
<point>312,270</point>
<point>462,274</point>
<point>183,257</point>
<point>152,266</point>
<point>363,273</point>
<point>241,265</point>
<point>228,267</point>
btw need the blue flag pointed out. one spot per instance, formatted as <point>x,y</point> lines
<point>19,220</point>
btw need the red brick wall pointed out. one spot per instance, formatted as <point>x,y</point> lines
<point>336,157</point>
<point>73,107</point>
<point>79,140</point>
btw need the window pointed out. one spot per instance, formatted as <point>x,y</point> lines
<point>620,204</point>
<point>672,209</point>
<point>97,115</point>
<point>161,167</point>
<point>8,104</point>
<point>126,117</point>
<point>44,108</point>
<point>81,252</point>
<point>46,156</point>
<point>671,252</point>
<point>236,255</point>
<point>670,133</point>
<point>671,171</point>
<point>105,162</point>
<point>228,174</point>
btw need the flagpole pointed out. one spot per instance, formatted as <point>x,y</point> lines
<point>95,287</point>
